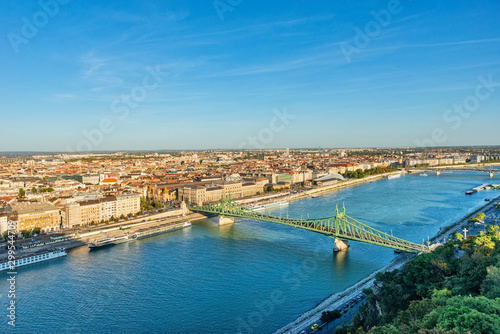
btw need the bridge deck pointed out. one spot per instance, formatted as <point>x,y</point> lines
<point>340,226</point>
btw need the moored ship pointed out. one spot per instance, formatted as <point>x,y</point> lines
<point>164,228</point>
<point>109,241</point>
<point>32,258</point>
<point>268,206</point>
<point>393,176</point>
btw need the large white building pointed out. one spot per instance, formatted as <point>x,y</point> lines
<point>83,213</point>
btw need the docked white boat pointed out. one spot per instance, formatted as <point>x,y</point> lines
<point>32,258</point>
<point>109,241</point>
<point>164,228</point>
<point>269,206</point>
<point>393,176</point>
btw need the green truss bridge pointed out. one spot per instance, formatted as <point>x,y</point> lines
<point>341,227</point>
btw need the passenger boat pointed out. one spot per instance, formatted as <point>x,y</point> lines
<point>394,176</point>
<point>109,241</point>
<point>36,257</point>
<point>164,228</point>
<point>268,206</point>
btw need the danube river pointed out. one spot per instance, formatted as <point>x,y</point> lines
<point>250,277</point>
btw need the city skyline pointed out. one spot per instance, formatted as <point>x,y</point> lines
<point>215,75</point>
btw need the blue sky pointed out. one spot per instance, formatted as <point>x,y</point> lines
<point>224,71</point>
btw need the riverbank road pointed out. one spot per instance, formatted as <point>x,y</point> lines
<point>348,310</point>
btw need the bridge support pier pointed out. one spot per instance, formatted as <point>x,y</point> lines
<point>438,172</point>
<point>491,174</point>
<point>220,220</point>
<point>340,245</point>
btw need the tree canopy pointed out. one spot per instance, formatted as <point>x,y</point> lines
<point>438,292</point>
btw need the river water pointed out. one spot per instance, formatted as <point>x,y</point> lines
<point>250,277</point>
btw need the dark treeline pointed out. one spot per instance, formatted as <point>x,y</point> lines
<point>455,289</point>
<point>359,173</point>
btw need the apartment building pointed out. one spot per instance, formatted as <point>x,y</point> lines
<point>108,207</point>
<point>213,192</point>
<point>85,212</point>
<point>3,222</point>
<point>91,179</point>
<point>90,211</point>
<point>127,203</point>
<point>35,214</point>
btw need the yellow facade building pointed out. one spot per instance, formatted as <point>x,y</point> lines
<point>34,214</point>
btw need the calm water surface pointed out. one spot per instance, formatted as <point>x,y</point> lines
<point>250,277</point>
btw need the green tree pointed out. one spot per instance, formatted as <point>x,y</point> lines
<point>36,230</point>
<point>33,190</point>
<point>484,241</point>
<point>386,329</point>
<point>439,294</point>
<point>458,236</point>
<point>328,316</point>
<point>5,235</point>
<point>21,192</point>
<point>25,233</point>
<point>112,219</point>
<point>491,284</point>
<point>493,231</point>
<point>122,216</point>
<point>477,315</point>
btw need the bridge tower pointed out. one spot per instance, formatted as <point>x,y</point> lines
<point>339,244</point>
<point>221,219</point>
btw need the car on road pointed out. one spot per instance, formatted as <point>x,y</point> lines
<point>315,326</point>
